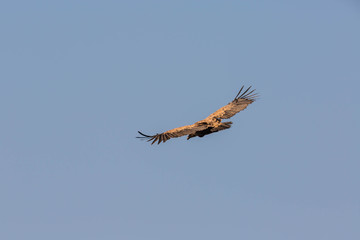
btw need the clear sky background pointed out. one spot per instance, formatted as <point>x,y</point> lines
<point>79,78</point>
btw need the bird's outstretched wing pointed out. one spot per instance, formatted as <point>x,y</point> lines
<point>174,133</point>
<point>240,102</point>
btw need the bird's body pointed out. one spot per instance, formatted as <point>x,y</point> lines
<point>210,124</point>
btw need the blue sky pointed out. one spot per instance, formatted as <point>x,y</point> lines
<point>78,79</point>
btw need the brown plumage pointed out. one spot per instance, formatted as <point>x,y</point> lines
<point>210,124</point>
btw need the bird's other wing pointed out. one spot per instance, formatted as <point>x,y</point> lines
<point>240,102</point>
<point>174,133</point>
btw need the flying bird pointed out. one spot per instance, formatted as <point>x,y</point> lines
<point>210,124</point>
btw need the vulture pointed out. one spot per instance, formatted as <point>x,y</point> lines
<point>210,124</point>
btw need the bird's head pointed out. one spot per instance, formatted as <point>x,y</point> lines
<point>190,136</point>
